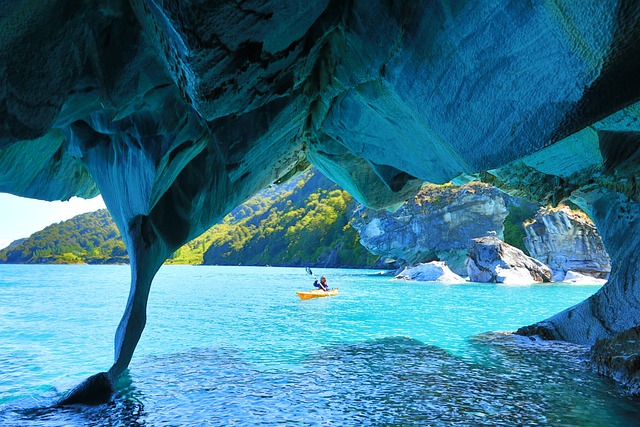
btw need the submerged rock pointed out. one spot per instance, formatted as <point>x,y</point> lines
<point>491,260</point>
<point>434,271</point>
<point>95,390</point>
<point>567,240</point>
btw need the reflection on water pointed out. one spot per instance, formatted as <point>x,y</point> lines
<point>507,381</point>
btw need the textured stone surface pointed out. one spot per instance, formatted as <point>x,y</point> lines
<point>434,271</point>
<point>434,225</point>
<point>178,111</point>
<point>619,358</point>
<point>491,260</point>
<point>614,308</point>
<point>565,240</point>
<point>94,390</point>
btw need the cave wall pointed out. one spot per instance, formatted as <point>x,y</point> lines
<point>178,111</point>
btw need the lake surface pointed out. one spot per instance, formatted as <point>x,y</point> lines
<point>235,346</point>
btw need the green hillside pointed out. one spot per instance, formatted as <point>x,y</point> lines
<point>304,221</point>
<point>88,238</point>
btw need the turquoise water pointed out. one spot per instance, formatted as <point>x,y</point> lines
<point>235,346</point>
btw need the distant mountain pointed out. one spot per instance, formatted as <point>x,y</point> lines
<point>301,222</point>
<point>88,238</point>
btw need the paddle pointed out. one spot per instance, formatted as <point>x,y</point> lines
<point>308,270</point>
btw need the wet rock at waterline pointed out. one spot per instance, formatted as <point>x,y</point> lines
<point>491,260</point>
<point>94,390</point>
<point>581,279</point>
<point>619,357</point>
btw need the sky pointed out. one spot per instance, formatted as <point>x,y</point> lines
<point>21,217</point>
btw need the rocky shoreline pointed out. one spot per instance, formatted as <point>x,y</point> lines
<point>618,357</point>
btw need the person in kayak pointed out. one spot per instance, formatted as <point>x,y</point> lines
<point>322,284</point>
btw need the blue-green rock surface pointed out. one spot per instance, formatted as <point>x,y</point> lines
<point>178,111</point>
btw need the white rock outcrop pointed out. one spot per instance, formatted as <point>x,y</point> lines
<point>491,260</point>
<point>576,278</point>
<point>435,271</point>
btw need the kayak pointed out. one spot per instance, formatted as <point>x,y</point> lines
<point>317,293</point>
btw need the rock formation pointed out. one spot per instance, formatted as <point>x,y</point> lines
<point>566,240</point>
<point>619,358</point>
<point>435,271</point>
<point>580,279</point>
<point>434,225</point>
<point>491,260</point>
<point>178,111</point>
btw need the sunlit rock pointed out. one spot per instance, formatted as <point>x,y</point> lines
<point>567,240</point>
<point>491,260</point>
<point>576,278</point>
<point>613,308</point>
<point>436,224</point>
<point>435,271</point>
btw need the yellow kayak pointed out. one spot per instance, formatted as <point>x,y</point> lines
<point>317,293</point>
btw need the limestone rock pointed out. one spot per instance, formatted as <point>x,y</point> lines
<point>434,225</point>
<point>614,307</point>
<point>434,271</point>
<point>491,260</point>
<point>580,279</point>
<point>619,358</point>
<point>567,240</point>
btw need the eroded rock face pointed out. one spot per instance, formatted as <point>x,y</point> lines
<point>566,241</point>
<point>614,307</point>
<point>434,225</point>
<point>619,358</point>
<point>178,111</point>
<point>491,260</point>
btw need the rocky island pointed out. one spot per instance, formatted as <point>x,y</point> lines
<point>491,260</point>
<point>436,224</point>
<point>176,113</point>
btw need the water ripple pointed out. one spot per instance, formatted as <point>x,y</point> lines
<point>392,381</point>
<point>382,353</point>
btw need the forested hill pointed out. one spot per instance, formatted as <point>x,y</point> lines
<point>92,238</point>
<point>301,222</point>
